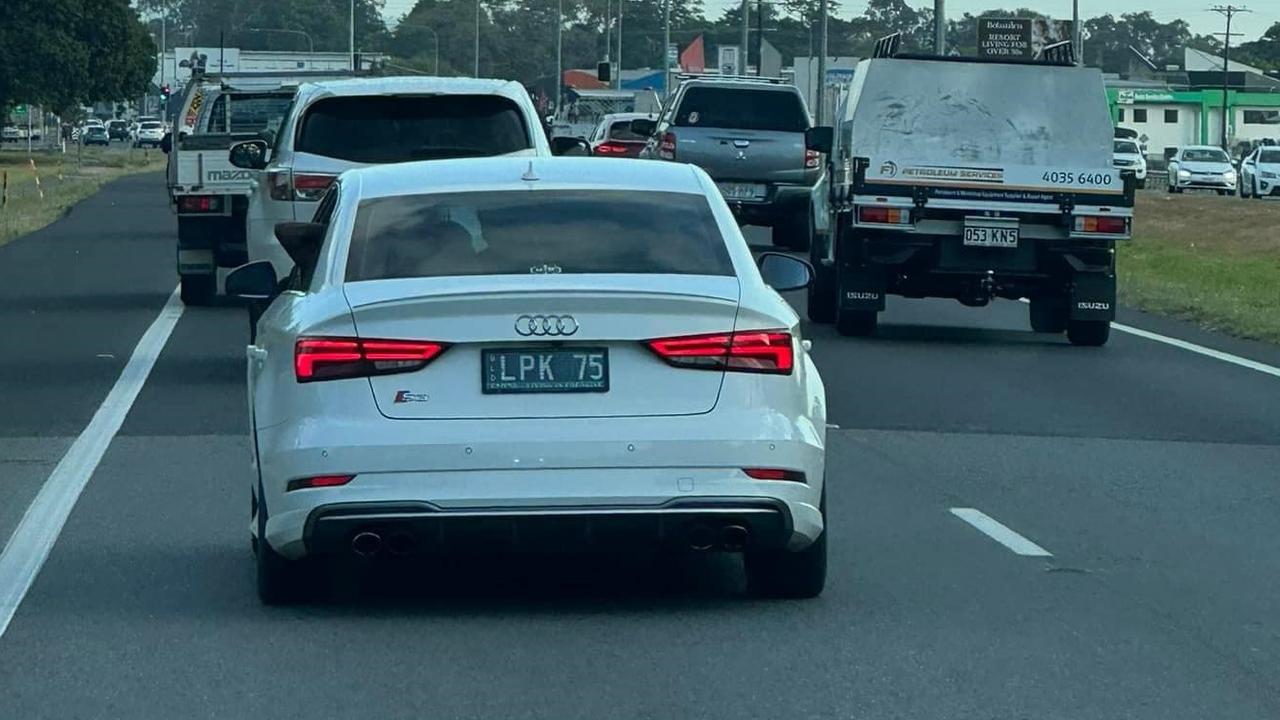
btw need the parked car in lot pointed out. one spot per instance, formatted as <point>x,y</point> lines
<point>149,133</point>
<point>10,134</point>
<point>96,135</point>
<point>613,137</point>
<point>118,130</point>
<point>1260,173</point>
<point>748,134</point>
<point>1128,155</point>
<point>461,364</point>
<point>338,125</point>
<point>1201,167</point>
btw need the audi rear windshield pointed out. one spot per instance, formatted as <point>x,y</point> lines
<point>523,232</point>
<point>742,109</point>
<point>389,129</point>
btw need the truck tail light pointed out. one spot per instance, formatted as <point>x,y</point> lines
<point>884,215</point>
<point>1101,225</point>
<point>758,351</point>
<point>667,146</point>
<point>200,204</point>
<point>289,186</point>
<point>325,358</point>
<point>811,159</point>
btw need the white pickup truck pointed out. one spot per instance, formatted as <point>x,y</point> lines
<point>208,193</point>
<point>972,180</point>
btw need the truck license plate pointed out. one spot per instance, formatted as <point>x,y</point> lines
<point>996,237</point>
<point>742,191</point>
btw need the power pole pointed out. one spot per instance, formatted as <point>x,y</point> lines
<point>559,51</point>
<point>759,38</point>
<point>939,27</point>
<point>746,37</point>
<point>1227,11</point>
<point>620,44</point>
<point>666,46</point>
<point>608,31</point>
<point>1077,33</point>
<point>821,83</point>
<point>351,36</point>
<point>475,72</point>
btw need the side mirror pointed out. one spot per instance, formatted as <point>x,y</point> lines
<point>268,137</point>
<point>255,281</point>
<point>784,272</point>
<point>643,127</point>
<point>563,145</point>
<point>166,143</point>
<point>250,154</point>
<point>819,139</point>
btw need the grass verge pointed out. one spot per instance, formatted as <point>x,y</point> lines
<point>1213,260</point>
<point>64,182</point>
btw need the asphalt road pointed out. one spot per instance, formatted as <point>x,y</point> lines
<point>1149,472</point>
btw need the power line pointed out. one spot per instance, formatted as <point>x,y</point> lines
<point>1229,12</point>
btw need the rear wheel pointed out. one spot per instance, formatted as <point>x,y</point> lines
<point>792,234</point>
<point>281,581</point>
<point>857,323</point>
<point>1224,192</point>
<point>824,291</point>
<point>199,289</point>
<point>1048,315</point>
<point>789,575</point>
<point>1089,333</point>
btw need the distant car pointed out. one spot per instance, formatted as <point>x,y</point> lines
<point>118,130</point>
<point>10,134</point>
<point>1127,155</point>
<point>1202,167</point>
<point>149,133</point>
<point>1260,173</point>
<point>613,137</point>
<point>648,392</point>
<point>96,135</point>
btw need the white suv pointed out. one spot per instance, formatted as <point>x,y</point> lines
<point>338,125</point>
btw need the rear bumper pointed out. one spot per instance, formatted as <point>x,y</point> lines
<point>782,203</point>
<point>404,528</point>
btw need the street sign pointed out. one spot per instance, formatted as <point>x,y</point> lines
<point>20,110</point>
<point>673,54</point>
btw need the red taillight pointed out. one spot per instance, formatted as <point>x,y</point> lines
<point>667,146</point>
<point>336,358</point>
<point>811,159</point>
<point>884,215</point>
<point>1105,225</point>
<point>761,351</point>
<point>200,204</point>
<point>774,474</point>
<point>310,187</point>
<point>319,481</point>
<point>611,149</point>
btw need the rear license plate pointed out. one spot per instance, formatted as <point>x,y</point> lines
<point>996,237</point>
<point>742,191</point>
<point>545,370</point>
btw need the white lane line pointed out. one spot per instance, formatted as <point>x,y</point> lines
<point>997,531</point>
<point>33,539</point>
<point>1192,347</point>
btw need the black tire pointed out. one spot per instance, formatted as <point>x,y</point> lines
<point>1223,193</point>
<point>1048,315</point>
<point>790,234</point>
<point>199,289</point>
<point>1142,184</point>
<point>280,581</point>
<point>824,295</point>
<point>788,575</point>
<point>857,323</point>
<point>1088,333</point>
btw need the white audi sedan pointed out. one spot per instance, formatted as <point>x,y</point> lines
<point>532,354</point>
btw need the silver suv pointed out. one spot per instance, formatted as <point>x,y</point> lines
<point>748,135</point>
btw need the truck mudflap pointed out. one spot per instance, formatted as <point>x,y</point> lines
<point>195,262</point>
<point>862,288</point>
<point>1093,296</point>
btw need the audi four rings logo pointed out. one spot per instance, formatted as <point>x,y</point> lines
<point>557,325</point>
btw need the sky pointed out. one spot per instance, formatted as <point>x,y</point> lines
<point>1265,12</point>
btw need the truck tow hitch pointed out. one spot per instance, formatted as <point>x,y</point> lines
<point>985,290</point>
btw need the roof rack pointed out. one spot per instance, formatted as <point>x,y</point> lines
<point>1062,53</point>
<point>887,46</point>
<point>716,76</point>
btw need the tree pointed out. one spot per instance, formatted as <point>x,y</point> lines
<point>205,23</point>
<point>1263,52</point>
<point>61,53</point>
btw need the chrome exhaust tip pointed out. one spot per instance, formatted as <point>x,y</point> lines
<point>734,537</point>
<point>366,544</point>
